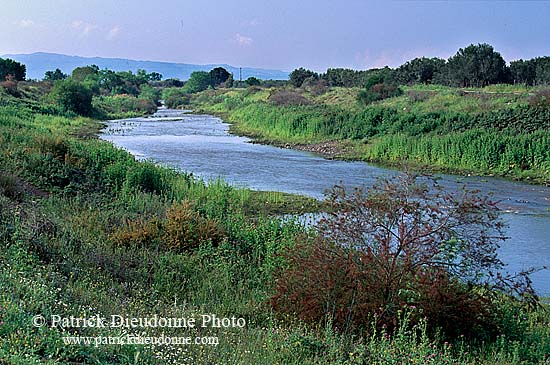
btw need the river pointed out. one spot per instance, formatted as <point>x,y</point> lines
<point>202,144</point>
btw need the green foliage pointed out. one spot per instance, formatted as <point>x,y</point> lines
<point>13,68</point>
<point>252,81</point>
<point>72,96</point>
<point>198,81</point>
<point>378,91</point>
<point>119,106</point>
<point>299,75</point>
<point>54,75</point>
<point>476,65</point>
<point>175,97</point>
<point>81,73</point>
<point>535,71</point>
<point>145,177</point>
<point>419,71</point>
<point>345,77</point>
<point>218,76</point>
<point>58,258</point>
<point>150,93</point>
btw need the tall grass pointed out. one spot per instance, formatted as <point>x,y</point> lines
<point>491,131</point>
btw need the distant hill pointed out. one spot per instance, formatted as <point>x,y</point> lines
<point>38,63</point>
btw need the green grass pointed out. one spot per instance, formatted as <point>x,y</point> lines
<point>60,253</point>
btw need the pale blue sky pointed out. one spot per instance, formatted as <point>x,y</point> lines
<point>281,34</point>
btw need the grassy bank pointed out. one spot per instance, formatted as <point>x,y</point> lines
<point>490,131</point>
<point>85,230</point>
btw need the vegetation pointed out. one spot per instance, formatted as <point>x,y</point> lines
<point>10,67</point>
<point>54,75</point>
<point>388,276</point>
<point>72,96</point>
<point>298,76</point>
<point>496,130</point>
<point>400,249</point>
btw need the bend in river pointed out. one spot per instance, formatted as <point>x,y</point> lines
<point>201,144</point>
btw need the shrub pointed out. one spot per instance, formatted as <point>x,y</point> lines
<point>175,97</point>
<point>285,98</point>
<point>418,96</point>
<point>138,233</point>
<point>9,186</point>
<point>10,85</point>
<point>72,96</point>
<point>186,229</point>
<point>145,177</point>
<point>378,92</point>
<point>396,247</point>
<point>53,146</point>
<point>540,98</point>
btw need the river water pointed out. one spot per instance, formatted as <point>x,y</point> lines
<point>201,144</point>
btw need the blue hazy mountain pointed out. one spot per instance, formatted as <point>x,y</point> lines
<point>40,62</point>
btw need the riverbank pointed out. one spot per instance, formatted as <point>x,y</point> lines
<point>87,231</point>
<point>503,137</point>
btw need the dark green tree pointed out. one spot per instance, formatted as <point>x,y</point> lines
<point>542,70</point>
<point>252,81</point>
<point>199,81</point>
<point>72,96</point>
<point>11,67</point>
<point>54,75</point>
<point>218,76</point>
<point>419,70</point>
<point>299,75</point>
<point>523,72</point>
<point>477,65</point>
<point>80,73</point>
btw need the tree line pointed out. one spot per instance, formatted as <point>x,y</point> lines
<point>473,66</point>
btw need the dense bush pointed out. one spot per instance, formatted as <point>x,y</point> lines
<point>145,177</point>
<point>119,105</point>
<point>186,229</point>
<point>72,96</point>
<point>286,97</point>
<point>394,247</point>
<point>378,92</point>
<point>175,97</point>
<point>10,67</point>
<point>540,99</point>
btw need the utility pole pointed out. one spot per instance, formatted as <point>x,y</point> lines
<point>240,74</point>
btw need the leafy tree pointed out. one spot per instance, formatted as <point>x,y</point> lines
<point>80,73</point>
<point>299,75</point>
<point>11,67</point>
<point>150,93</point>
<point>229,82</point>
<point>218,76</point>
<point>72,96</point>
<point>342,77</point>
<point>199,81</point>
<point>54,75</point>
<point>144,77</point>
<point>419,70</point>
<point>542,70</point>
<point>477,65</point>
<point>404,243</point>
<point>252,81</point>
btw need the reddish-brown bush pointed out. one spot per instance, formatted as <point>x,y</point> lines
<point>402,244</point>
<point>540,98</point>
<point>286,97</point>
<point>10,85</point>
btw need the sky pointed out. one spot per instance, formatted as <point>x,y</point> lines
<point>283,34</point>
